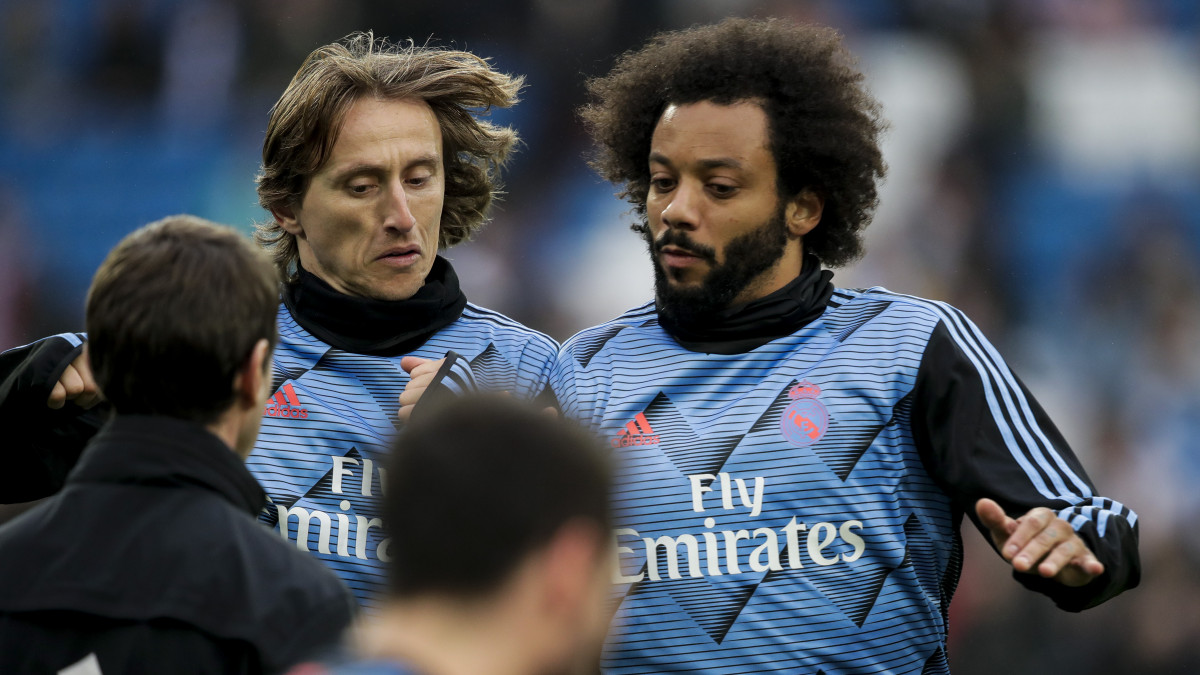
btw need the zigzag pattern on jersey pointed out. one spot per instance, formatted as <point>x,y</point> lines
<point>688,452</point>
<point>936,664</point>
<point>854,601</point>
<point>585,348</point>
<point>383,379</point>
<point>715,603</point>
<point>491,366</point>
<point>839,448</point>
<point>843,324</point>
<point>297,352</point>
<point>359,502</point>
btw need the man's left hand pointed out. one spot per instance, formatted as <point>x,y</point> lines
<point>1040,539</point>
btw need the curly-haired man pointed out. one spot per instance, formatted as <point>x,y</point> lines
<point>798,456</point>
<point>374,161</point>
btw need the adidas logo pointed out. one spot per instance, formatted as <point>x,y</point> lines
<point>285,403</point>
<point>637,432</point>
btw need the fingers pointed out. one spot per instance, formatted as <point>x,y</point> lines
<point>409,362</point>
<point>995,520</point>
<point>69,386</point>
<point>1044,544</point>
<point>76,384</point>
<point>91,394</point>
<point>421,373</point>
<point>58,396</point>
<point>1036,533</point>
<point>1071,563</point>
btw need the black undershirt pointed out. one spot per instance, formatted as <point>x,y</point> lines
<point>376,327</point>
<point>742,328</point>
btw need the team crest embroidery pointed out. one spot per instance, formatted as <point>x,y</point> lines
<point>805,419</point>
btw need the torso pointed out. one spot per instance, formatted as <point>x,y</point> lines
<point>321,451</point>
<point>786,516</point>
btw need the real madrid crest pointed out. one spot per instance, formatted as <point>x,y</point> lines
<point>805,419</point>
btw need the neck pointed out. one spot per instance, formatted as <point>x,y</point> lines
<point>743,327</point>
<point>228,428</point>
<point>439,636</point>
<point>378,327</point>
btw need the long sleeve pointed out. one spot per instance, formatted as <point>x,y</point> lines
<point>40,445</point>
<point>982,434</point>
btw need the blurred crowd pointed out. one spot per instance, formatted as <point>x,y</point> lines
<point>1044,177</point>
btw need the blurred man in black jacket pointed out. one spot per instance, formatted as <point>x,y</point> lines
<point>150,559</point>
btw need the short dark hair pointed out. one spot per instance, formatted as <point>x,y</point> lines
<point>480,483</point>
<point>173,313</point>
<point>823,125</point>
<point>306,120</point>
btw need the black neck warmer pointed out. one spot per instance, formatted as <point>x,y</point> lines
<point>741,328</point>
<point>376,327</point>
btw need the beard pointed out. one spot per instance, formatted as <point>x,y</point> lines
<point>747,257</point>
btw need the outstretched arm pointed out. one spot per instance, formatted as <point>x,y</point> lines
<point>999,457</point>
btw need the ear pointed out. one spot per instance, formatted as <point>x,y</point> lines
<point>570,559</point>
<point>803,212</point>
<point>285,217</point>
<point>252,378</point>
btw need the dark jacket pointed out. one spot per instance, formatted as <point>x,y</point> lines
<point>151,559</point>
<point>40,445</point>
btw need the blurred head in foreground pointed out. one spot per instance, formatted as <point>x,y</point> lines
<point>500,526</point>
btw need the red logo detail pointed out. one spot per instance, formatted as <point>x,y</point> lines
<point>806,419</point>
<point>637,432</point>
<point>285,403</point>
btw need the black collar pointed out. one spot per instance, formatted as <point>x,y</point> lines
<point>741,328</point>
<point>377,327</point>
<point>167,451</point>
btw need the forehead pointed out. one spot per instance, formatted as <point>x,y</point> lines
<point>375,127</point>
<point>707,130</point>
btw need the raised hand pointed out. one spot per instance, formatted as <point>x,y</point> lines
<point>421,371</point>
<point>76,384</point>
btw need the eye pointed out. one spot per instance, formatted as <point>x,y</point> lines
<point>418,181</point>
<point>663,184</point>
<point>360,188</point>
<point>722,190</point>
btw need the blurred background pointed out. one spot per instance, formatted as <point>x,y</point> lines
<point>1044,177</point>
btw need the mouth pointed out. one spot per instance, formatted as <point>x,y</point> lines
<point>400,256</point>
<point>674,256</point>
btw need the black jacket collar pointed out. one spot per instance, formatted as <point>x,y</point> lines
<point>170,452</point>
<point>742,328</point>
<point>377,327</point>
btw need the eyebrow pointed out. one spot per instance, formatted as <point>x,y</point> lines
<point>430,160</point>
<point>711,163</point>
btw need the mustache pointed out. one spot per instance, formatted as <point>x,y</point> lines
<point>680,239</point>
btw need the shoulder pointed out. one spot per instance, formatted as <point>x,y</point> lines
<point>283,567</point>
<point>276,586</point>
<point>641,316</point>
<point>497,327</point>
<point>915,313</point>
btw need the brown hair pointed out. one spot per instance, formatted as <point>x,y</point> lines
<point>305,122</point>
<point>172,314</point>
<point>823,126</point>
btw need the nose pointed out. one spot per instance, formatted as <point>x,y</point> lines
<point>396,214</point>
<point>682,209</point>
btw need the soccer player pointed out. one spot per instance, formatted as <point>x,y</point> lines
<point>150,559</point>
<point>373,162</point>
<point>798,456</point>
<point>499,516</point>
